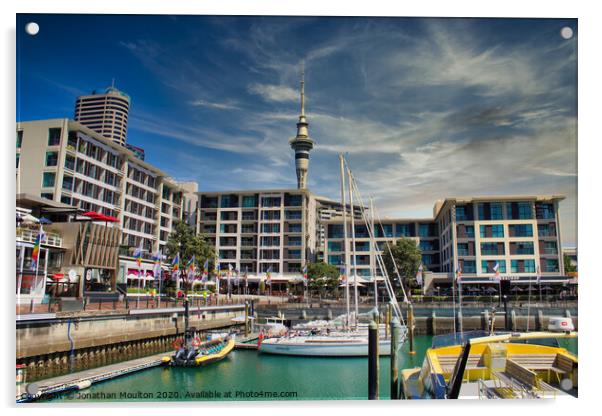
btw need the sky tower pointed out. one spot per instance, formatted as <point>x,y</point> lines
<point>301,143</point>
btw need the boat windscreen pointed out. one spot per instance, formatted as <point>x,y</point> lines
<point>547,342</point>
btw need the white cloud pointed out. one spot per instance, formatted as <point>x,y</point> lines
<point>277,93</point>
<point>216,105</point>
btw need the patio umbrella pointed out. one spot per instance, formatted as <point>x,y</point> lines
<point>45,221</point>
<point>516,289</point>
<point>491,290</point>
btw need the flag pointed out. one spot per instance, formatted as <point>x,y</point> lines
<point>268,274</point>
<point>496,269</point>
<point>35,254</point>
<point>246,275</point>
<point>138,254</point>
<point>538,274</point>
<point>459,273</point>
<point>175,264</point>
<point>419,275</point>
<point>157,265</point>
<point>218,269</point>
<point>205,270</point>
<point>191,268</point>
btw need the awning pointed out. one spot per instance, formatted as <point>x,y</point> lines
<point>95,216</point>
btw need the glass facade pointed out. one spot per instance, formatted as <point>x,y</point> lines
<point>469,266</point>
<point>54,136</point>
<point>461,213</point>
<point>52,158</point>
<point>551,265</point>
<point>335,231</point>
<point>48,179</point>
<point>520,230</point>
<point>462,249</point>
<point>333,245</point>
<point>491,249</point>
<point>519,266</point>
<point>488,265</point>
<point>544,211</point>
<point>497,231</point>
<point>524,247</point>
<point>404,230</point>
<point>249,201</point>
<point>550,247</point>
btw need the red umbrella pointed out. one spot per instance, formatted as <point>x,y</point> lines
<point>99,217</point>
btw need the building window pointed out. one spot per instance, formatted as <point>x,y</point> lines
<point>249,201</point>
<point>270,228</point>
<point>546,230</point>
<point>335,259</point>
<point>294,228</point>
<point>17,162</point>
<point>381,230</point>
<point>54,136</point>
<point>462,249</point>
<point>492,231</point>
<point>469,266</point>
<point>404,230</point>
<point>550,247</point>
<point>520,230</point>
<point>19,138</point>
<point>335,231</point>
<point>48,179</point>
<point>497,211</point>
<point>469,231</point>
<point>461,214</point>
<point>427,245</point>
<point>296,241</point>
<point>524,247</point>
<point>492,249</point>
<point>428,259</point>
<point>47,195</point>
<point>65,199</point>
<point>67,182</point>
<point>544,211</point>
<point>522,266</point>
<point>270,202</point>
<point>52,158</point>
<point>293,200</point>
<point>488,265</point>
<point>551,265</point>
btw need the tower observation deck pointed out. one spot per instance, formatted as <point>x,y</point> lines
<point>301,143</point>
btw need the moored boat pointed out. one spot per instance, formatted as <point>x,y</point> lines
<point>201,353</point>
<point>498,366</point>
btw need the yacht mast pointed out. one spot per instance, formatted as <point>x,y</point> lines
<point>375,248</point>
<point>352,212</point>
<point>345,252</point>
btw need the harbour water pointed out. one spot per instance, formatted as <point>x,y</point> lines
<point>246,375</point>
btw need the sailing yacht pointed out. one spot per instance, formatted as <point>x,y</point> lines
<point>345,337</point>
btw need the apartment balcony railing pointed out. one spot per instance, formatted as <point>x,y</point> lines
<point>29,236</point>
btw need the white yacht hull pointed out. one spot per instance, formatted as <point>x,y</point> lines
<point>321,349</point>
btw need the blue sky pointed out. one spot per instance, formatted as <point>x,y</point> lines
<point>423,108</point>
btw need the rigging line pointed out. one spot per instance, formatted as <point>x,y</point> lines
<point>405,296</point>
<point>378,256</point>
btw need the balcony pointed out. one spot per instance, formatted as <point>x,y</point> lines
<point>29,236</point>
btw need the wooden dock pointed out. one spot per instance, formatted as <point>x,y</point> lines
<point>83,379</point>
<point>244,343</point>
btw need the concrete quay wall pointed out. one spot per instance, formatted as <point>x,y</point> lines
<point>79,341</point>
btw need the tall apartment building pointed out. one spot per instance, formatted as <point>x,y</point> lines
<point>64,161</point>
<point>106,113</point>
<point>423,231</point>
<point>257,231</point>
<point>520,233</point>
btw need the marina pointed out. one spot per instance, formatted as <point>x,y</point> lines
<point>246,371</point>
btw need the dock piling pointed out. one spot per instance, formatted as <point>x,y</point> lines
<point>411,328</point>
<point>395,330</point>
<point>373,368</point>
<point>246,319</point>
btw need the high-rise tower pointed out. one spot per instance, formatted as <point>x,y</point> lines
<point>106,113</point>
<point>301,143</point>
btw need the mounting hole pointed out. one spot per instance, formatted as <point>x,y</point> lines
<point>32,28</point>
<point>566,384</point>
<point>566,32</point>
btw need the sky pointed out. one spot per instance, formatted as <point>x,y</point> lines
<point>423,108</point>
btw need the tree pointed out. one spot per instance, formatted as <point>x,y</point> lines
<point>183,240</point>
<point>569,267</point>
<point>323,278</point>
<point>407,257</point>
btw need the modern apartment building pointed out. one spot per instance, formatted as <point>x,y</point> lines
<point>106,113</point>
<point>64,161</point>
<point>423,231</point>
<point>257,231</point>
<point>519,233</point>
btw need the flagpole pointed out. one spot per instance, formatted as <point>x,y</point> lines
<point>375,249</point>
<point>529,305</point>
<point>454,300</point>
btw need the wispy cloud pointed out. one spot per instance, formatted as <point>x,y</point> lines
<point>215,105</point>
<point>278,93</point>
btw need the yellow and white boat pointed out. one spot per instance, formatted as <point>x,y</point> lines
<point>507,366</point>
<point>201,353</point>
